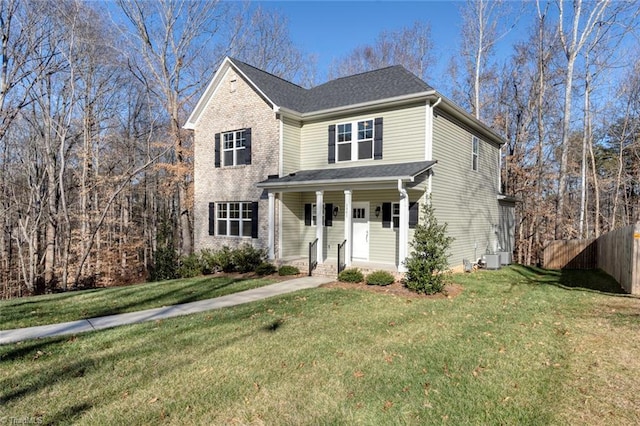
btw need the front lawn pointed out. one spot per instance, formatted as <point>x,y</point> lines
<point>517,346</point>
<point>75,305</point>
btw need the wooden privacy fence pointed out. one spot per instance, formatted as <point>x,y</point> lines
<point>616,252</point>
<point>571,254</point>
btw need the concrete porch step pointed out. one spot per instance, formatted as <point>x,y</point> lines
<point>329,268</point>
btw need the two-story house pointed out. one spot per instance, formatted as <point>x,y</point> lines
<point>347,163</point>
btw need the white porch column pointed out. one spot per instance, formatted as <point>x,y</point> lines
<point>348,224</point>
<point>320,225</point>
<point>272,226</point>
<point>403,233</point>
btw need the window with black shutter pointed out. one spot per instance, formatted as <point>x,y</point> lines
<point>355,140</point>
<point>386,215</point>
<point>212,218</point>
<point>328,214</point>
<point>414,209</point>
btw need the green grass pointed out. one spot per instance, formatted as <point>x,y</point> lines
<point>70,306</point>
<point>517,346</point>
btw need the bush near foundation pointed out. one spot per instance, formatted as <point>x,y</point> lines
<point>380,278</point>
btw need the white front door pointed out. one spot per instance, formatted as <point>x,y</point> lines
<point>360,218</point>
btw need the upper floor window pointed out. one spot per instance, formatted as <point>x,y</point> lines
<point>475,150</point>
<point>356,140</point>
<point>233,148</point>
<point>361,148</point>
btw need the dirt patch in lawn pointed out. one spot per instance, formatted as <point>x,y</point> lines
<point>398,289</point>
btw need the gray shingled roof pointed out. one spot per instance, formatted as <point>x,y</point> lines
<point>366,87</point>
<point>377,172</point>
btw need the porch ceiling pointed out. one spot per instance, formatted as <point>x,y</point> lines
<point>374,176</point>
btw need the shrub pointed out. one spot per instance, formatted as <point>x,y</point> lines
<point>223,259</point>
<point>352,275</point>
<point>247,258</point>
<point>428,259</point>
<point>190,266</point>
<point>380,278</point>
<point>165,264</point>
<point>266,268</point>
<point>288,270</point>
<point>208,262</point>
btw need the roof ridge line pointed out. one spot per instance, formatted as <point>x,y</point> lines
<point>232,59</point>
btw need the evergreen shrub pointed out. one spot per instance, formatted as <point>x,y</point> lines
<point>427,264</point>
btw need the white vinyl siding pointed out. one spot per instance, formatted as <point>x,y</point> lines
<point>403,138</point>
<point>292,225</point>
<point>291,146</point>
<point>465,199</point>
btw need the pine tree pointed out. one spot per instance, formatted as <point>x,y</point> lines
<point>428,259</point>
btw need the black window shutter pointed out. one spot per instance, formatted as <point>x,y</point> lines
<point>332,144</point>
<point>377,139</point>
<point>247,146</point>
<point>328,214</point>
<point>212,218</point>
<point>254,219</point>
<point>414,208</point>
<point>217,150</point>
<point>307,214</point>
<point>386,215</point>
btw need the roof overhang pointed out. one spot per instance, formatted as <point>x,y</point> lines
<point>385,176</point>
<point>357,108</point>
<point>469,120</point>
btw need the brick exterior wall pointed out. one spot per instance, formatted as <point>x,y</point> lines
<point>233,106</point>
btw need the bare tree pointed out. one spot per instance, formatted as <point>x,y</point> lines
<point>411,47</point>
<point>572,41</point>
<point>170,37</point>
<point>262,39</point>
<point>480,33</point>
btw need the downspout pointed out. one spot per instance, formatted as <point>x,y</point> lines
<point>429,179</point>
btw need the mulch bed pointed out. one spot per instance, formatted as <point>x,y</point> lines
<point>398,289</point>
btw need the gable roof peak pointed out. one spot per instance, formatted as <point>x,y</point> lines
<point>241,64</point>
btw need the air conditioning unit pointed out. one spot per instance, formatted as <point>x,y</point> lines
<point>505,257</point>
<point>492,261</point>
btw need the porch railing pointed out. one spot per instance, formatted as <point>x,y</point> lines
<point>313,255</point>
<point>341,256</point>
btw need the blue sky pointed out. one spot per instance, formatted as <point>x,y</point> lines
<point>332,29</point>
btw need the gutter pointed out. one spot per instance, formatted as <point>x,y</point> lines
<point>356,107</point>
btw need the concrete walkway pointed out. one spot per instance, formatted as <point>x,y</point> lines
<point>99,323</point>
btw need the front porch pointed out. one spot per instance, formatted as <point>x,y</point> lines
<point>366,213</point>
<point>329,268</point>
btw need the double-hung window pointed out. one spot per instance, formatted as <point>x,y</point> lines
<point>475,153</point>
<point>234,219</point>
<point>358,146</point>
<point>233,148</point>
<point>395,215</point>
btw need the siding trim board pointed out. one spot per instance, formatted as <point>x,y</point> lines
<point>469,129</point>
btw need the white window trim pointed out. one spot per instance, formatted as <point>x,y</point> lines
<point>234,148</point>
<point>314,214</point>
<point>394,215</point>
<point>355,141</point>
<point>228,219</point>
<point>475,153</point>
